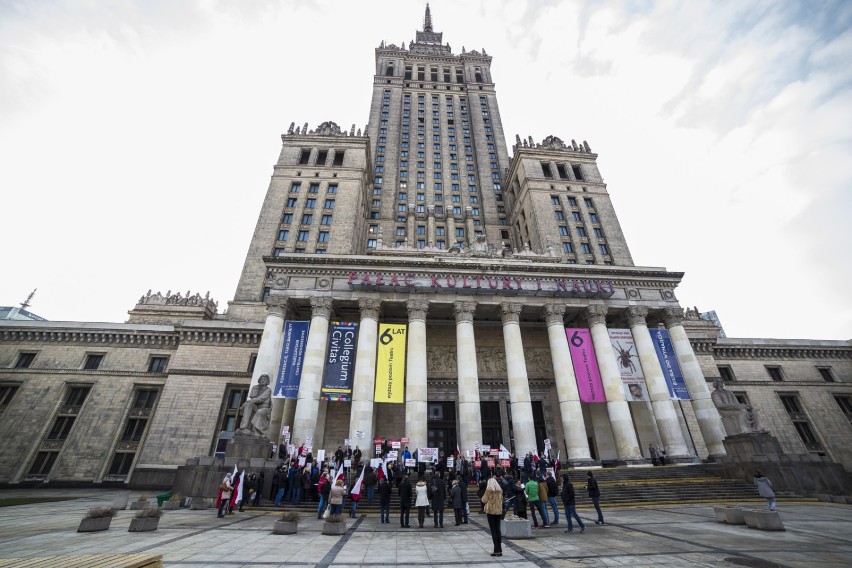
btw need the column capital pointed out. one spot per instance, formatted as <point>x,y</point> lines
<point>277,305</point>
<point>636,315</point>
<point>596,313</point>
<point>464,311</point>
<point>321,306</point>
<point>673,316</point>
<point>370,307</point>
<point>417,309</point>
<point>511,312</point>
<point>554,314</point>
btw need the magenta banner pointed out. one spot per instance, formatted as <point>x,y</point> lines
<point>585,364</point>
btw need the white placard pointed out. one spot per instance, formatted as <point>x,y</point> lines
<point>427,455</point>
<point>347,442</point>
<point>547,444</point>
<point>396,445</point>
<point>450,462</point>
<point>393,455</point>
<point>504,455</point>
<point>347,463</point>
<point>359,434</point>
<point>320,456</point>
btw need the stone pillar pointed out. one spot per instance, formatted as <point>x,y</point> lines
<point>415,384</point>
<point>307,407</point>
<point>451,229</point>
<point>708,417</point>
<point>411,236</point>
<point>658,390</point>
<point>269,357</point>
<point>470,415</point>
<point>573,425</point>
<point>626,442</point>
<point>519,386</point>
<point>469,230</point>
<point>364,382</point>
<point>430,226</point>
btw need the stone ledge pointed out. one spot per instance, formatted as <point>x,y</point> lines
<point>763,520</point>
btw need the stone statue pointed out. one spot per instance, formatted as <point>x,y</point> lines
<point>257,409</point>
<point>737,418</point>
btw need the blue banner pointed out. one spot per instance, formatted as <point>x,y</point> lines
<point>340,361</point>
<point>668,361</point>
<point>292,359</point>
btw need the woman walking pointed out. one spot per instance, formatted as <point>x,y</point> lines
<point>225,494</point>
<point>422,501</point>
<point>335,497</point>
<point>492,502</point>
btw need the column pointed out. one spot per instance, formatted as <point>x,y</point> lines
<point>451,229</point>
<point>658,390</point>
<point>269,356</point>
<point>708,417</point>
<point>626,442</point>
<point>411,225</point>
<point>307,407</point>
<point>364,382</point>
<point>430,226</point>
<point>573,425</point>
<point>519,386</point>
<point>470,415</point>
<point>415,384</point>
<point>470,237</point>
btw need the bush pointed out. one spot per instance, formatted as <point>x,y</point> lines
<point>142,499</point>
<point>175,497</point>
<point>100,513</point>
<point>290,517</point>
<point>152,513</point>
<point>335,519</point>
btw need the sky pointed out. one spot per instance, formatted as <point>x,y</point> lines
<point>137,138</point>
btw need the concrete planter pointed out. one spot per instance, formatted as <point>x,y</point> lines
<point>143,525</point>
<point>139,505</point>
<point>198,504</point>
<point>730,515</point>
<point>334,529</point>
<point>763,520</point>
<point>516,529</point>
<point>93,525</point>
<point>120,502</point>
<point>288,527</point>
<point>171,505</point>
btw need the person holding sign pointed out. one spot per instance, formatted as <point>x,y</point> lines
<point>492,502</point>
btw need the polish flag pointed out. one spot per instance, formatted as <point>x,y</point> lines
<point>237,493</point>
<point>356,489</point>
<point>504,448</point>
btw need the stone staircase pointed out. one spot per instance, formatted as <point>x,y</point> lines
<point>619,487</point>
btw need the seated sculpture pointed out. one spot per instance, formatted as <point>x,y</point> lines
<point>738,418</point>
<point>257,409</point>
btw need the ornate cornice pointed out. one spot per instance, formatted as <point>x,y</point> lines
<point>321,306</point>
<point>673,316</point>
<point>370,308</point>
<point>596,313</point>
<point>778,352</point>
<point>278,305</point>
<point>417,309</point>
<point>464,311</point>
<point>167,340</point>
<point>636,315</point>
<point>223,337</point>
<point>511,312</point>
<point>554,314</point>
<point>82,374</point>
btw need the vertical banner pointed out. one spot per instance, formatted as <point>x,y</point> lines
<point>627,358</point>
<point>390,363</point>
<point>340,361</point>
<point>292,358</point>
<point>585,364</point>
<point>668,361</point>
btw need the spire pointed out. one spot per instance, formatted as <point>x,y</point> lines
<point>427,20</point>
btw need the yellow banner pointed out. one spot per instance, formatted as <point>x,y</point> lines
<point>390,363</point>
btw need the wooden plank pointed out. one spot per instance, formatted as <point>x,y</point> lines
<point>86,561</point>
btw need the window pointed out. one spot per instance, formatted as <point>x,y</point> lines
<point>303,236</point>
<point>291,202</point>
<point>61,427</point>
<point>563,231</point>
<point>326,220</point>
<point>726,373</point>
<point>93,361</point>
<point>145,398</point>
<point>307,219</point>
<point>599,232</point>
<point>791,404</point>
<point>305,156</point>
<point>338,157</point>
<point>6,394</point>
<point>283,234</point>
<point>277,251</point>
<point>77,395</point>
<point>295,187</point>
<point>371,243</point>
<point>287,219</point>
<point>586,248</point>
<point>588,202</point>
<point>329,204</point>
<point>578,173</point>
<point>310,203</point>
<point>582,232</point>
<point>322,237</point>
<point>844,401</point>
<point>157,364</point>
<point>554,200</point>
<point>545,168</point>
<point>134,429</point>
<point>593,217</point>
<point>43,463</point>
<point>603,248</point>
<point>322,156</point>
<point>121,462</point>
<point>560,216</point>
<point>575,215</point>
<point>775,373</point>
<point>25,360</point>
<point>826,374</point>
<point>572,201</point>
<point>567,247</point>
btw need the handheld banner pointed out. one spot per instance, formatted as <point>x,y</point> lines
<point>292,358</point>
<point>668,361</point>
<point>428,455</point>
<point>585,364</point>
<point>627,359</point>
<point>390,363</point>
<point>340,362</point>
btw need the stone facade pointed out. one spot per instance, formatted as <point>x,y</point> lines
<point>486,257</point>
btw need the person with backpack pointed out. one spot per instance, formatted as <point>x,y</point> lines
<point>595,496</point>
<point>569,500</point>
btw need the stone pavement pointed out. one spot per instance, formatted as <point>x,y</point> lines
<point>818,534</point>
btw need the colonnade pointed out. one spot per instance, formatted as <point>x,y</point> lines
<point>304,412</point>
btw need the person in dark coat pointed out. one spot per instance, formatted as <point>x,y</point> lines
<point>465,506</point>
<point>569,500</point>
<point>405,497</point>
<point>438,498</point>
<point>456,501</point>
<point>384,500</point>
<point>258,489</point>
<point>520,500</point>
<point>528,465</point>
<point>248,490</point>
<point>276,481</point>
<point>507,484</point>
<point>484,471</point>
<point>595,496</point>
<point>296,486</point>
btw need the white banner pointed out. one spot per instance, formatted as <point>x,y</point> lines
<point>627,360</point>
<point>427,455</point>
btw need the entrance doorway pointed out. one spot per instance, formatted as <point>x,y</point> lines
<point>441,426</point>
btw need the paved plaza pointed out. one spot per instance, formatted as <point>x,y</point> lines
<point>818,534</point>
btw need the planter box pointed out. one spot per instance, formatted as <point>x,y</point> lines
<point>334,528</point>
<point>171,505</point>
<point>143,525</point>
<point>92,525</point>
<point>516,529</point>
<point>729,515</point>
<point>139,505</point>
<point>120,502</point>
<point>763,520</point>
<point>198,504</point>
<point>287,527</point>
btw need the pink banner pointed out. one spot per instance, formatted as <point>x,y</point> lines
<point>585,364</point>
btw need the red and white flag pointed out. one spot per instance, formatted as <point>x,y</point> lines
<point>356,489</point>
<point>236,494</point>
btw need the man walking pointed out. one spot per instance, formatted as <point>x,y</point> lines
<point>595,496</point>
<point>404,493</point>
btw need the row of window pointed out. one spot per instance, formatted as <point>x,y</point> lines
<point>92,362</point>
<point>564,171</point>
<point>435,73</point>
<point>775,373</point>
<point>321,157</point>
